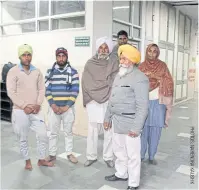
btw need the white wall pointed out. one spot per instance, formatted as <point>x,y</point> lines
<point>45,43</point>
<point>102,25</point>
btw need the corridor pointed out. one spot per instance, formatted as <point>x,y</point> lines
<point>172,171</point>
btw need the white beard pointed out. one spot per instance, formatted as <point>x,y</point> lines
<point>123,71</point>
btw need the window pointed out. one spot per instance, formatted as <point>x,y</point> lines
<point>121,11</point>
<point>17,10</point>
<point>43,25</point>
<point>127,16</point>
<point>187,32</point>
<point>19,28</point>
<point>181,30</point>
<point>66,23</point>
<point>149,20</point>
<point>118,26</point>
<point>171,31</point>
<point>40,15</point>
<point>43,8</point>
<point>136,15</point>
<point>136,33</point>
<point>62,7</point>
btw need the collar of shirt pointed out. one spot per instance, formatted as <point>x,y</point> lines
<point>32,68</point>
<point>61,69</point>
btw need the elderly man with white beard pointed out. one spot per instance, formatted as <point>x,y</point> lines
<point>97,79</point>
<point>126,112</point>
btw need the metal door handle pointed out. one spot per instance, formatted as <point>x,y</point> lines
<point>153,17</point>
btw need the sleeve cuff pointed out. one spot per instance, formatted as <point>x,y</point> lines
<point>51,101</point>
<point>107,119</point>
<point>136,131</point>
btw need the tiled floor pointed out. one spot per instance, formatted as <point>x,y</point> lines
<point>187,135</point>
<point>172,171</point>
<point>184,169</point>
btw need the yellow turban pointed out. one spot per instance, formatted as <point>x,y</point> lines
<point>130,53</point>
<point>23,49</point>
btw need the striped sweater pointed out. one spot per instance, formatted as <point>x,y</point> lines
<point>62,88</point>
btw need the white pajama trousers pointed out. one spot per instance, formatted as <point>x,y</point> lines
<point>128,159</point>
<point>22,123</point>
<point>92,141</point>
<point>54,121</point>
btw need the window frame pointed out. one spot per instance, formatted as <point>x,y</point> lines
<point>39,18</point>
<point>131,38</point>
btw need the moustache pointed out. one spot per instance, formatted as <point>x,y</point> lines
<point>103,55</point>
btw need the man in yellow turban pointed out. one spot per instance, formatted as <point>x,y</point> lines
<point>127,111</point>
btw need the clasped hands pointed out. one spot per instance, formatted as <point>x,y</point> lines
<point>32,108</point>
<point>59,110</point>
<point>107,126</point>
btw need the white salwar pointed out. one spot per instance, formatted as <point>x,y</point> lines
<point>22,122</point>
<point>128,163</point>
<point>96,113</point>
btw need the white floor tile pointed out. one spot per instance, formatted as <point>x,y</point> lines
<point>183,107</point>
<point>184,135</point>
<point>181,117</point>
<point>106,187</point>
<point>64,156</point>
<point>183,169</point>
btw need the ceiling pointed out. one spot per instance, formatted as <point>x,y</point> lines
<point>183,3</point>
<point>189,8</point>
<point>191,11</point>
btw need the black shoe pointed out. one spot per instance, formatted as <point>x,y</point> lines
<point>153,162</point>
<point>89,162</point>
<point>131,188</point>
<point>114,178</point>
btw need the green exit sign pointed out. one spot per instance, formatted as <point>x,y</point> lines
<point>82,41</point>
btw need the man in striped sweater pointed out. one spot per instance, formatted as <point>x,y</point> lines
<point>62,89</point>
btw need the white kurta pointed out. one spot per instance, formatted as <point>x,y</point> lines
<point>154,94</point>
<point>96,113</point>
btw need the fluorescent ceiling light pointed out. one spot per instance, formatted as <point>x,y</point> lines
<point>122,7</point>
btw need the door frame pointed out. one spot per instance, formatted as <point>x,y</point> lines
<point>183,49</point>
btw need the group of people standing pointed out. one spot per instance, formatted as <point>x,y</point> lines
<point>130,100</point>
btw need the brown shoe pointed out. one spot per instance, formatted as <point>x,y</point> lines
<point>45,163</point>
<point>72,159</point>
<point>51,158</point>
